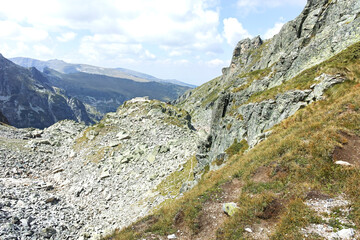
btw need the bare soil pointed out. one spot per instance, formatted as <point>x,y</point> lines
<point>350,151</point>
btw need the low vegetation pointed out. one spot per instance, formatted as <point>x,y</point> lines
<point>297,156</point>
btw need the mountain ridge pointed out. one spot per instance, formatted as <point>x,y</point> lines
<point>64,67</point>
<point>28,99</point>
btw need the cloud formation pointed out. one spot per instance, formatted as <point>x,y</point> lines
<point>274,30</point>
<point>234,31</point>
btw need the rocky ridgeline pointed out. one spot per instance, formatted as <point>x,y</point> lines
<point>70,182</point>
<point>223,107</point>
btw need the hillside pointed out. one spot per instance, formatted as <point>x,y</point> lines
<point>268,150</point>
<point>102,90</point>
<point>282,124</point>
<point>106,93</point>
<point>27,98</point>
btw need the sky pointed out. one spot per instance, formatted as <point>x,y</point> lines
<point>187,40</point>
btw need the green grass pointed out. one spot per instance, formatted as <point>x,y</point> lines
<point>345,63</point>
<point>172,184</point>
<point>299,154</point>
<point>237,147</point>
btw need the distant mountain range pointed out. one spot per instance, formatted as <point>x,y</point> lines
<point>37,94</point>
<point>66,68</point>
<point>27,98</point>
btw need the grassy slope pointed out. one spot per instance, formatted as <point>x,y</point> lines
<point>298,154</point>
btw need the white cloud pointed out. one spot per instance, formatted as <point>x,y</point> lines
<point>164,22</point>
<point>216,63</point>
<point>13,31</point>
<point>234,31</point>
<point>42,50</point>
<point>273,31</point>
<point>66,37</point>
<point>255,5</point>
<point>102,47</point>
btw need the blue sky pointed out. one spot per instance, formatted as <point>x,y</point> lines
<point>188,40</point>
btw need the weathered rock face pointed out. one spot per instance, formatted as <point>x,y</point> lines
<point>71,182</point>
<point>323,29</point>
<point>28,100</point>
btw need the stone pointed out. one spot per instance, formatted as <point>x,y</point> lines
<point>345,234</point>
<point>172,236</point>
<point>122,136</point>
<point>343,163</point>
<point>230,208</point>
<point>248,230</point>
<point>152,156</point>
<point>114,144</point>
<point>52,200</point>
<point>104,174</point>
<point>48,232</point>
<point>164,149</point>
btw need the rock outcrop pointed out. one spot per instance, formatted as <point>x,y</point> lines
<point>322,30</point>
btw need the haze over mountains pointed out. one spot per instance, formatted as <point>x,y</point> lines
<point>38,94</point>
<point>64,67</point>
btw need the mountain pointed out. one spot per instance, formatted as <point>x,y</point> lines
<point>152,78</point>
<point>106,93</point>
<point>66,68</point>
<point>3,119</point>
<point>103,90</point>
<point>27,98</point>
<point>268,150</point>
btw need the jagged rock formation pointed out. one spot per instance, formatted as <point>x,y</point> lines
<point>93,181</point>
<point>28,100</point>
<point>323,29</point>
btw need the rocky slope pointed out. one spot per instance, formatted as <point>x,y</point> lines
<point>28,100</point>
<point>230,107</point>
<point>269,150</point>
<point>3,118</point>
<point>66,183</point>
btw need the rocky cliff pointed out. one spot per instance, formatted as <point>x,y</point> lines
<point>230,107</point>
<point>28,100</point>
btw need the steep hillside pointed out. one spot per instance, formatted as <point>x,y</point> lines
<point>241,104</point>
<point>283,138</point>
<point>105,93</point>
<point>3,118</point>
<point>27,98</point>
<point>269,150</point>
<point>301,182</point>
